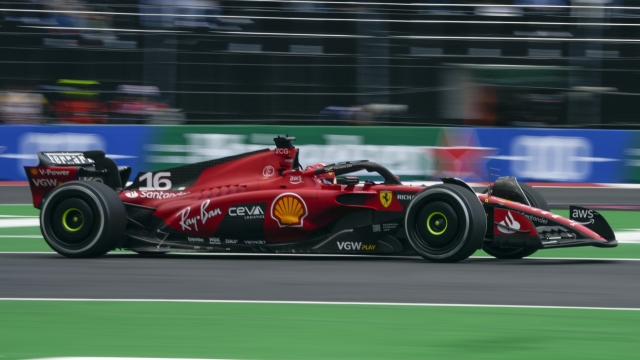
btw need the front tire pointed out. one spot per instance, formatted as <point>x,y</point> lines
<point>82,219</point>
<point>536,200</point>
<point>445,223</point>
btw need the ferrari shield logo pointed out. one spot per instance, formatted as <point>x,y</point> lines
<point>385,198</point>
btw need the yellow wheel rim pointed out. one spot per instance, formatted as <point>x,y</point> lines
<point>75,219</point>
<point>444,218</point>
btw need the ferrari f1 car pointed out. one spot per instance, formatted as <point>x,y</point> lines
<point>265,201</point>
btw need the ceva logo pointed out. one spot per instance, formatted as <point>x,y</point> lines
<point>245,211</point>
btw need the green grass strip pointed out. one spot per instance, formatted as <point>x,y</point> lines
<point>21,231</point>
<point>19,210</point>
<point>622,251</point>
<point>301,331</point>
<point>23,245</point>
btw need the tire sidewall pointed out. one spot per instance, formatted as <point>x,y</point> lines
<point>96,196</point>
<point>469,241</point>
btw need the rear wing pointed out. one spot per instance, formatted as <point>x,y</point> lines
<point>57,168</point>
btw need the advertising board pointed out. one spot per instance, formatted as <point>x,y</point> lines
<point>19,144</point>
<point>412,153</point>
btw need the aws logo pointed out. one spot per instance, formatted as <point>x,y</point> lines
<point>289,210</point>
<point>584,214</point>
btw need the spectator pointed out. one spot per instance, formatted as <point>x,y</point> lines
<point>21,106</point>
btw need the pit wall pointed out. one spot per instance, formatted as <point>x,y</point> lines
<point>413,153</point>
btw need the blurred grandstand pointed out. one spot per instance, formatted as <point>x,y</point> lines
<point>516,62</point>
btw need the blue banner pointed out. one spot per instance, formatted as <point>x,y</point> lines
<point>19,144</point>
<point>567,155</point>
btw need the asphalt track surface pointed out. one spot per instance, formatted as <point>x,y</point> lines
<point>537,282</point>
<point>589,283</point>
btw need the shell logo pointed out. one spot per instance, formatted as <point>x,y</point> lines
<point>34,172</point>
<point>289,210</point>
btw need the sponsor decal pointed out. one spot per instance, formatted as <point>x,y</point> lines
<point>550,242</point>
<point>268,171</point>
<point>53,172</point>
<point>281,151</point>
<point>583,214</point>
<point>247,212</point>
<point>195,239</point>
<point>355,246</point>
<point>338,167</point>
<point>255,242</point>
<point>376,227</point>
<point>510,222</point>
<point>385,198</point>
<point>289,209</point>
<point>230,241</point>
<point>46,182</point>
<point>536,218</point>
<point>404,197</point>
<point>214,240</point>
<point>295,179</point>
<point>157,181</point>
<point>389,226</point>
<point>34,171</point>
<point>68,158</point>
<point>89,178</point>
<point>191,222</point>
<point>159,195</point>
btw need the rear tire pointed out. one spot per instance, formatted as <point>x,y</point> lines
<point>536,200</point>
<point>445,223</point>
<point>82,219</point>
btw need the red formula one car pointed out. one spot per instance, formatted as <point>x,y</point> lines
<point>264,201</point>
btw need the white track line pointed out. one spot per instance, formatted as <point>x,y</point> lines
<point>322,303</point>
<point>118,358</point>
<point>21,237</point>
<point>20,222</point>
